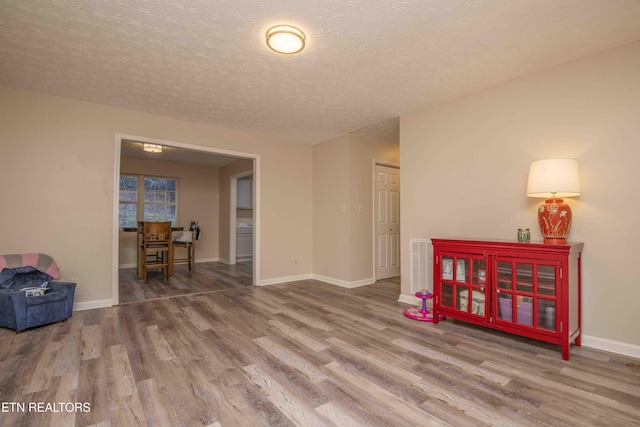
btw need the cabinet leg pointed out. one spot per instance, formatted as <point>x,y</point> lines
<point>565,351</point>
<point>578,340</point>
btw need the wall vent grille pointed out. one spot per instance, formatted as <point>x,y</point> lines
<point>418,264</point>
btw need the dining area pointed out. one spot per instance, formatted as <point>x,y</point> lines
<point>157,273</point>
<point>154,265</point>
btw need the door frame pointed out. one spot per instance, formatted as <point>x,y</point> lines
<point>115,242</point>
<point>232,215</point>
<point>374,163</point>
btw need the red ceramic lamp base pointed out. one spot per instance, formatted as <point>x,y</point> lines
<point>555,241</point>
<point>554,219</point>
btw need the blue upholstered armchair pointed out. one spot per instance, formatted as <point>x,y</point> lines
<point>19,311</point>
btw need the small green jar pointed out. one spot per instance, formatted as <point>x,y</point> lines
<point>524,235</point>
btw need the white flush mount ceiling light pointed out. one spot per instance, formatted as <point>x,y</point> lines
<point>285,39</point>
<point>152,148</point>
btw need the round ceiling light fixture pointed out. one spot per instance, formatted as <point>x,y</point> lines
<point>285,39</point>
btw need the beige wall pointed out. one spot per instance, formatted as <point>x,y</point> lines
<point>331,251</point>
<point>198,194</point>
<point>226,172</point>
<point>57,160</point>
<point>343,180</point>
<point>465,164</point>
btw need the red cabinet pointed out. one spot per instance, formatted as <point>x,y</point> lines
<point>528,289</point>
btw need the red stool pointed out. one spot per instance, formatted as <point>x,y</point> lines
<point>422,314</point>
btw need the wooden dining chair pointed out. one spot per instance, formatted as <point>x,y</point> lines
<point>156,248</point>
<point>186,240</point>
<point>139,251</point>
<point>152,257</point>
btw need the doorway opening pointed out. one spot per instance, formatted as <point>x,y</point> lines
<point>241,218</point>
<point>191,154</point>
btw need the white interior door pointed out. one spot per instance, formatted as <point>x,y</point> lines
<point>387,220</point>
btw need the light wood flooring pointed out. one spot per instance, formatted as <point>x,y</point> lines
<point>206,277</point>
<point>303,354</point>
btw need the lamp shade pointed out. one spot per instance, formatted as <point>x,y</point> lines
<point>553,178</point>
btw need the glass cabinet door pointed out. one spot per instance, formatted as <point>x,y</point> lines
<point>526,293</point>
<point>446,277</point>
<point>546,291</point>
<point>463,280</point>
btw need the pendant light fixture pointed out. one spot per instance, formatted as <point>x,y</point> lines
<point>152,148</point>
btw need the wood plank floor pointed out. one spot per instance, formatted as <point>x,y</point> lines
<point>207,277</point>
<point>303,354</point>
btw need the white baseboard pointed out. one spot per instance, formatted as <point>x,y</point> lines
<point>224,261</point>
<point>123,266</point>
<point>287,279</point>
<point>244,258</point>
<point>199,260</point>
<point>618,347</point>
<point>344,283</point>
<point>409,299</point>
<point>90,305</point>
<point>320,278</point>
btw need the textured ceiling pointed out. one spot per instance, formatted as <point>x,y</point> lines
<point>366,63</point>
